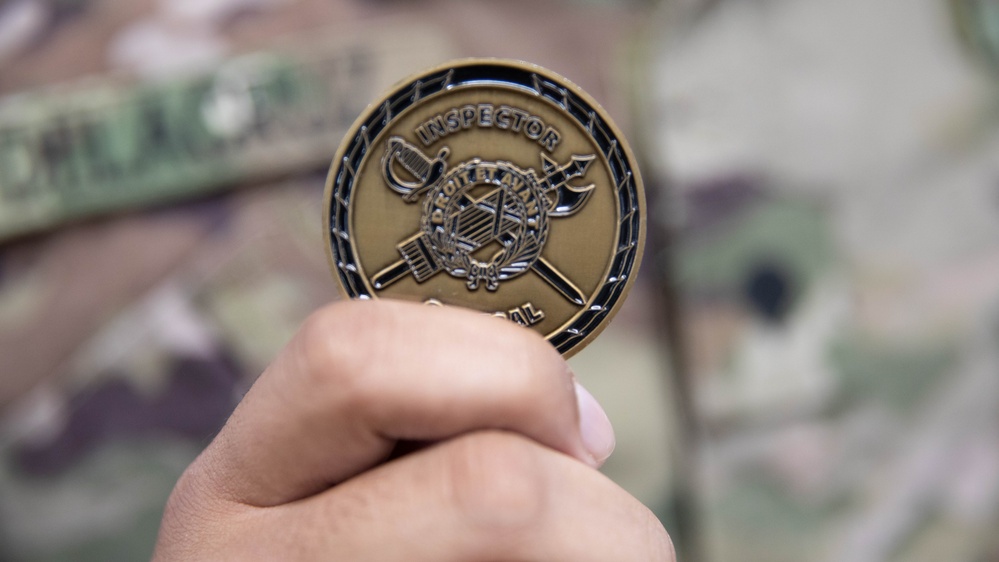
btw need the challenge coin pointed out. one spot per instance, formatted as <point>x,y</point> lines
<point>492,185</point>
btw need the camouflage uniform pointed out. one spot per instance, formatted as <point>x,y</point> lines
<point>835,173</point>
<point>127,338</point>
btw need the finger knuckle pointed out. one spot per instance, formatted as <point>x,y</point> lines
<point>496,482</point>
<point>528,381</point>
<point>336,344</point>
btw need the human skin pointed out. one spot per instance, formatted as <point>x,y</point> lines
<point>506,467</point>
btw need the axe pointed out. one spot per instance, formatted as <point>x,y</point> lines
<point>419,258</point>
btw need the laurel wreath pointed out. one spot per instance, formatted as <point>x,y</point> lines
<point>508,263</point>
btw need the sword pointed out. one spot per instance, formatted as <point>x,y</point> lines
<point>427,170</point>
<point>417,255</point>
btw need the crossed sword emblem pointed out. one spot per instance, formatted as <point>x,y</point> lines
<point>489,216</point>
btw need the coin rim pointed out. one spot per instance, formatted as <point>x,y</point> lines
<point>570,341</point>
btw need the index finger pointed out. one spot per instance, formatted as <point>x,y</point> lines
<point>359,376</point>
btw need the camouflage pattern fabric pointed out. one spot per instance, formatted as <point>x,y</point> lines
<point>126,338</point>
<point>832,177</point>
<point>835,166</point>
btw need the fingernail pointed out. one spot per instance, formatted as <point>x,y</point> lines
<point>594,426</point>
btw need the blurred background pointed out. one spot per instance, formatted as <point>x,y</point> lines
<point>807,368</point>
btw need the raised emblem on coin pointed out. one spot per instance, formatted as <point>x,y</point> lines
<point>494,185</point>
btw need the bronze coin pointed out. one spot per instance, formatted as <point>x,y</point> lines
<point>493,185</point>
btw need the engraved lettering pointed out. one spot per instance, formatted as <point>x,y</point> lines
<point>518,118</point>
<point>437,127</point>
<point>485,115</point>
<point>534,316</point>
<point>453,123</point>
<point>467,116</point>
<point>526,315</point>
<point>425,137</point>
<point>530,202</point>
<point>534,129</point>
<point>551,139</point>
<point>503,117</point>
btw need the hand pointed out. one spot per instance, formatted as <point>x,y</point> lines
<point>303,470</point>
